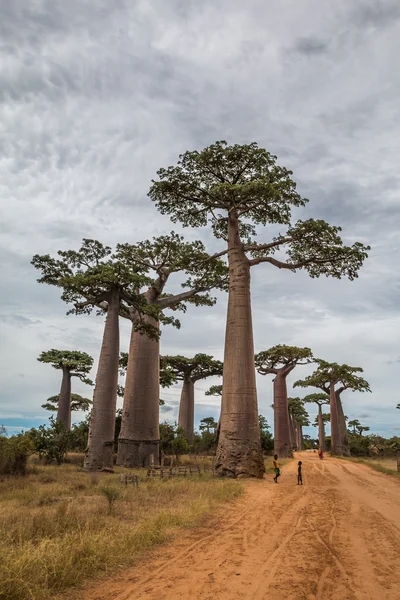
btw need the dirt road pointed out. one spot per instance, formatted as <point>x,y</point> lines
<point>335,538</point>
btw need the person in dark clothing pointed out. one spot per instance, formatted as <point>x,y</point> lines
<point>299,473</point>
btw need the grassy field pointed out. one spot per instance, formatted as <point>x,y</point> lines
<point>383,465</point>
<point>60,526</point>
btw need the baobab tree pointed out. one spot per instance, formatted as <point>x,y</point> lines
<point>299,418</point>
<point>320,399</point>
<point>280,361</point>
<point>398,406</point>
<point>162,257</point>
<point>190,370</point>
<point>235,188</point>
<point>357,428</point>
<point>72,364</point>
<point>326,377</point>
<point>78,403</point>
<point>93,277</point>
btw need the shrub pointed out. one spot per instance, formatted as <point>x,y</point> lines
<point>52,442</point>
<point>14,454</point>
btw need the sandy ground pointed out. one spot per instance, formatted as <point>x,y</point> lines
<point>335,538</point>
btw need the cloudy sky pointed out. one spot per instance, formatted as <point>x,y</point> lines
<point>95,96</point>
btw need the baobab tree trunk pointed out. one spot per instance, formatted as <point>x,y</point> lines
<point>282,435</point>
<point>336,438</point>
<point>239,451</point>
<point>64,400</point>
<point>321,429</point>
<point>292,432</point>
<point>342,426</point>
<point>300,435</point>
<point>139,438</point>
<point>100,451</point>
<point>186,409</point>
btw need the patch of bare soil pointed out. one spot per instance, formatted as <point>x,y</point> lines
<point>335,538</point>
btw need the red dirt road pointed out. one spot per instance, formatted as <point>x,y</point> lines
<point>335,538</point>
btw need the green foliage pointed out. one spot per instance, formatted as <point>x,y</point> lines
<point>326,417</point>
<point>78,364</point>
<point>215,390</point>
<point>167,254</point>
<point>52,442</point>
<point>78,403</point>
<point>282,357</point>
<point>199,367</point>
<point>299,413</point>
<point>267,441</point>
<point>246,182</point>
<point>398,406</point>
<point>317,398</point>
<point>14,454</point>
<point>208,424</point>
<point>111,494</point>
<point>344,375</point>
<point>173,440</point>
<point>89,276</point>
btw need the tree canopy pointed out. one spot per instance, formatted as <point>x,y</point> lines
<point>317,398</point>
<point>205,186</point>
<point>199,367</point>
<point>344,375</point>
<point>78,364</point>
<point>282,357</point>
<point>299,413</point>
<point>167,254</point>
<point>77,403</point>
<point>214,390</point>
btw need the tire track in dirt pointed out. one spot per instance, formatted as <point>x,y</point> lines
<point>330,540</point>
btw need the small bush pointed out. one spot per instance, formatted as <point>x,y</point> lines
<point>14,454</point>
<point>112,494</point>
<point>52,443</point>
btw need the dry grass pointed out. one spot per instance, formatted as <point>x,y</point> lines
<point>383,465</point>
<point>56,530</point>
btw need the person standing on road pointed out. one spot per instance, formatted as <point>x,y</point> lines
<point>276,468</point>
<point>299,473</point>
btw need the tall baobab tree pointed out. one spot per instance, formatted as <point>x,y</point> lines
<point>78,403</point>
<point>236,188</point>
<point>93,277</point>
<point>280,361</point>
<point>163,257</point>
<point>320,399</point>
<point>300,419</point>
<point>190,370</point>
<point>72,364</point>
<point>326,377</point>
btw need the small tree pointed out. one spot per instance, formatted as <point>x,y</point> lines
<point>267,442</point>
<point>72,364</point>
<point>280,361</point>
<point>320,400</point>
<point>326,377</point>
<point>190,370</point>
<point>162,257</point>
<point>236,188</point>
<point>93,277</point>
<point>52,442</point>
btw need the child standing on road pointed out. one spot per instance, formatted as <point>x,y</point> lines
<point>276,468</point>
<point>299,473</point>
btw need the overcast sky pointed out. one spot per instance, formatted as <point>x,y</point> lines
<point>95,96</point>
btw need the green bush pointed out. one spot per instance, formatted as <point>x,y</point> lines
<point>52,442</point>
<point>14,454</point>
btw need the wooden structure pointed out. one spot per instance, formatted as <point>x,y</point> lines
<point>129,478</point>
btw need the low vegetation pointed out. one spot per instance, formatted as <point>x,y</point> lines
<point>59,525</point>
<point>381,464</point>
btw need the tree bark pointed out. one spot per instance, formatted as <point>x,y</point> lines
<point>342,426</point>
<point>301,439</point>
<point>239,451</point>
<point>64,400</point>
<point>321,429</point>
<point>336,438</point>
<point>100,451</point>
<point>186,409</point>
<point>292,432</point>
<point>139,438</point>
<point>283,444</point>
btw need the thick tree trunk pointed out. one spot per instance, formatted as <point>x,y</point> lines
<point>321,429</point>
<point>336,438</point>
<point>100,451</point>
<point>186,409</point>
<point>342,426</point>
<point>239,451</point>
<point>301,439</point>
<point>139,438</point>
<point>283,443</point>
<point>64,400</point>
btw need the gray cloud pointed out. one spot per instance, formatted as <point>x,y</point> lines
<point>96,96</point>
